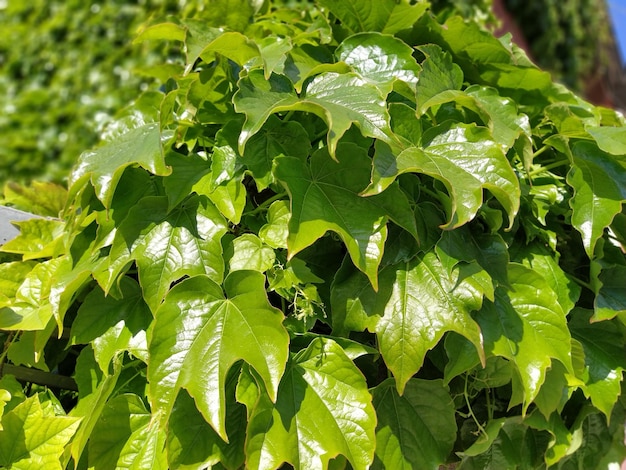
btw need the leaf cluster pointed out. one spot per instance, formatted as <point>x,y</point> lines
<point>346,236</point>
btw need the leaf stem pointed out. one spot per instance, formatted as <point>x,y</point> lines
<point>540,151</point>
<point>469,408</point>
<point>265,204</point>
<point>548,167</point>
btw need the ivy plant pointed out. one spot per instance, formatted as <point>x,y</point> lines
<point>342,236</point>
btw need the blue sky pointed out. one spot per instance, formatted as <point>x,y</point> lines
<point>617,9</point>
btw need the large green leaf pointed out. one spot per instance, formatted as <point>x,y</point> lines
<point>388,16</point>
<point>415,430</point>
<point>599,182</point>
<point>323,409</point>
<point>199,334</point>
<point>464,159</point>
<point>32,436</point>
<point>325,196</point>
<point>339,99</point>
<point>380,59</point>
<point>126,437</point>
<point>527,326</point>
<point>113,325</point>
<point>439,74</point>
<point>418,301</point>
<point>170,245</point>
<point>605,358</point>
<point>192,442</point>
<point>610,139</point>
<point>104,166</point>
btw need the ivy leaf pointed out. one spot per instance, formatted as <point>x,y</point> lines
<point>251,253</point>
<point>126,438</point>
<point>380,59</point>
<point>417,303</point>
<point>599,182</point>
<point>527,326</point>
<point>439,74</point>
<point>170,245</point>
<point>610,299</point>
<point>465,159</point>
<point>104,166</point>
<point>38,238</point>
<point>33,437</point>
<point>323,409</point>
<point>339,99</point>
<point>605,359</point>
<point>386,16</point>
<point>415,430</point>
<point>199,334</point>
<point>609,139</point>
<point>113,324</point>
<point>192,442</point>
<point>325,196</point>
<point>275,138</point>
<point>275,232</point>
<point>41,198</point>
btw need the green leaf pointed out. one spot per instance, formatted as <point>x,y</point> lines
<point>415,430</point>
<point>386,16</point>
<point>599,182</point>
<point>275,232</point>
<point>112,324</point>
<point>418,301</point>
<point>610,298</point>
<point>192,442</point>
<point>170,245</point>
<point>325,196</point>
<point>33,437</point>
<point>251,253</point>
<point>199,334</point>
<point>605,358</point>
<point>11,277</point>
<point>233,45</point>
<point>323,409</point>
<point>610,139</point>
<point>104,166</point>
<point>126,437</point>
<point>187,170</point>
<point>527,326</point>
<point>38,238</point>
<point>464,159</point>
<point>439,74</point>
<point>41,198</point>
<point>325,96</point>
<point>379,59</point>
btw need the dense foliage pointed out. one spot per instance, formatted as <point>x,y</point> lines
<point>342,237</point>
<point>569,37</point>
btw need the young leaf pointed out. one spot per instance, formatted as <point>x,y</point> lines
<point>415,430</point>
<point>104,166</point>
<point>323,409</point>
<point>199,334</point>
<point>33,437</point>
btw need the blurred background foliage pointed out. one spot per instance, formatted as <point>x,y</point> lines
<point>68,66</point>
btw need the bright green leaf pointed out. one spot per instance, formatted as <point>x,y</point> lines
<point>439,74</point>
<point>323,409</point>
<point>610,139</point>
<point>33,437</point>
<point>199,334</point>
<point>104,166</point>
<point>251,253</point>
<point>276,231</point>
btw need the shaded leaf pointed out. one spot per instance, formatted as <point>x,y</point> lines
<point>323,409</point>
<point>415,430</point>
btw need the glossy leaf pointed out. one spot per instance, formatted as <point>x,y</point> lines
<point>439,74</point>
<point>380,59</point>
<point>322,410</point>
<point>170,245</point>
<point>527,326</point>
<point>250,253</point>
<point>104,166</point>
<point>32,436</point>
<point>599,182</point>
<point>415,430</point>
<point>320,194</point>
<point>465,160</point>
<point>199,329</point>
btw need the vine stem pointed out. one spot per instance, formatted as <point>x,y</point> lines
<point>265,204</point>
<point>548,167</point>
<point>470,410</point>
